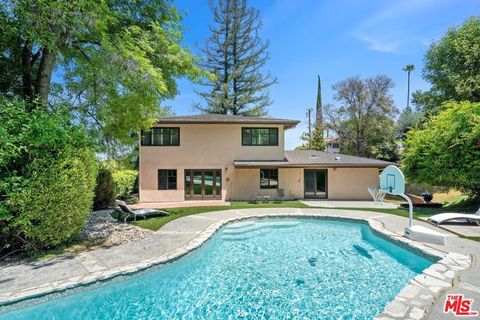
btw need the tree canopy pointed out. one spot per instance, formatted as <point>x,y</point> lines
<point>447,151</point>
<point>364,118</point>
<point>235,55</point>
<point>110,62</point>
<point>452,66</point>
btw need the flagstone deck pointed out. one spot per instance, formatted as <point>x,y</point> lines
<point>422,298</point>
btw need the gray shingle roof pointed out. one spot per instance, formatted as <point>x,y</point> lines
<point>310,158</point>
<point>227,119</point>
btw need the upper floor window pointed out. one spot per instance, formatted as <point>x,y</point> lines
<point>260,136</point>
<point>161,137</point>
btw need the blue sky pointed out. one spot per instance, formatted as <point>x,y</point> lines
<point>335,39</point>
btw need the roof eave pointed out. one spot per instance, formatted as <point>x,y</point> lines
<point>286,124</point>
<point>307,165</point>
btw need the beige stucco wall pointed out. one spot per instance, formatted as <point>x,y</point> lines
<point>202,146</point>
<point>351,183</point>
<point>207,146</point>
<point>247,182</point>
<point>343,183</point>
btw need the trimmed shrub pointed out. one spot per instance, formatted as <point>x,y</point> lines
<point>124,182</point>
<point>47,178</point>
<point>56,202</point>
<point>105,193</point>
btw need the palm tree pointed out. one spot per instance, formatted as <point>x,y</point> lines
<point>409,68</point>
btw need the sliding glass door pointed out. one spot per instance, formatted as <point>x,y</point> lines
<point>315,183</point>
<point>203,184</point>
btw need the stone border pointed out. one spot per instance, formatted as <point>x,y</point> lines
<point>413,302</point>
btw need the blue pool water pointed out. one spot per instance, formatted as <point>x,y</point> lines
<point>263,269</point>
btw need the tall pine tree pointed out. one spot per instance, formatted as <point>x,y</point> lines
<point>235,55</point>
<point>315,139</point>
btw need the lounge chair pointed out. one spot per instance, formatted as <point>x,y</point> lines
<point>126,212</point>
<point>452,217</point>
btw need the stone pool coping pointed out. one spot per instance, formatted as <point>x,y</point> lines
<point>414,301</point>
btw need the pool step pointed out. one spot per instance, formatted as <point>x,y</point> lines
<point>241,230</point>
<point>238,225</point>
<point>249,226</point>
<point>240,237</point>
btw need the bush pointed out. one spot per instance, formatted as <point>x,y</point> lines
<point>55,204</point>
<point>419,188</point>
<point>447,151</point>
<point>124,182</point>
<point>47,178</point>
<point>105,192</point>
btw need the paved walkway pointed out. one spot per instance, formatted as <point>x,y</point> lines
<point>188,232</point>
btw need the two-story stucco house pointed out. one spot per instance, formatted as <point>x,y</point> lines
<point>206,157</point>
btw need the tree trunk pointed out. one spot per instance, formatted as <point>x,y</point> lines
<point>44,76</point>
<point>27,71</point>
<point>235,57</point>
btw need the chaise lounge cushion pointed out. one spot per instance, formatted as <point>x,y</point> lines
<point>449,217</point>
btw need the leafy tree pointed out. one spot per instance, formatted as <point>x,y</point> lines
<point>315,142</point>
<point>447,151</point>
<point>116,59</point>
<point>408,120</point>
<point>452,66</point>
<point>385,146</point>
<point>364,118</point>
<point>235,56</point>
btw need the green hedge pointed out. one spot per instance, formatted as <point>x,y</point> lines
<point>47,178</point>
<point>55,204</point>
<point>105,192</point>
<point>124,182</point>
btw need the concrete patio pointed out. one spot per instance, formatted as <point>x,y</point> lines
<point>460,228</point>
<point>348,204</point>
<point>187,233</point>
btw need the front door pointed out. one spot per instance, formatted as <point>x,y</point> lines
<point>315,183</point>
<point>203,184</point>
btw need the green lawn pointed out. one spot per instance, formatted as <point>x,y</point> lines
<point>175,213</point>
<point>155,223</point>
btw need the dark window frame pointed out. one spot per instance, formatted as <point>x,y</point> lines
<point>260,128</point>
<point>150,132</point>
<point>270,178</point>
<point>189,194</point>
<point>167,176</point>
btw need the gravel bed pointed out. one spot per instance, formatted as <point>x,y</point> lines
<point>102,228</point>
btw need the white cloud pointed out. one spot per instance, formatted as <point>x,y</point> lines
<point>390,28</point>
<point>377,44</point>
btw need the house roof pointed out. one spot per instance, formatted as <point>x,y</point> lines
<point>226,119</point>
<point>331,139</point>
<point>312,158</point>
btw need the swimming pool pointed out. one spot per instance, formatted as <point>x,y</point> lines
<point>268,268</point>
